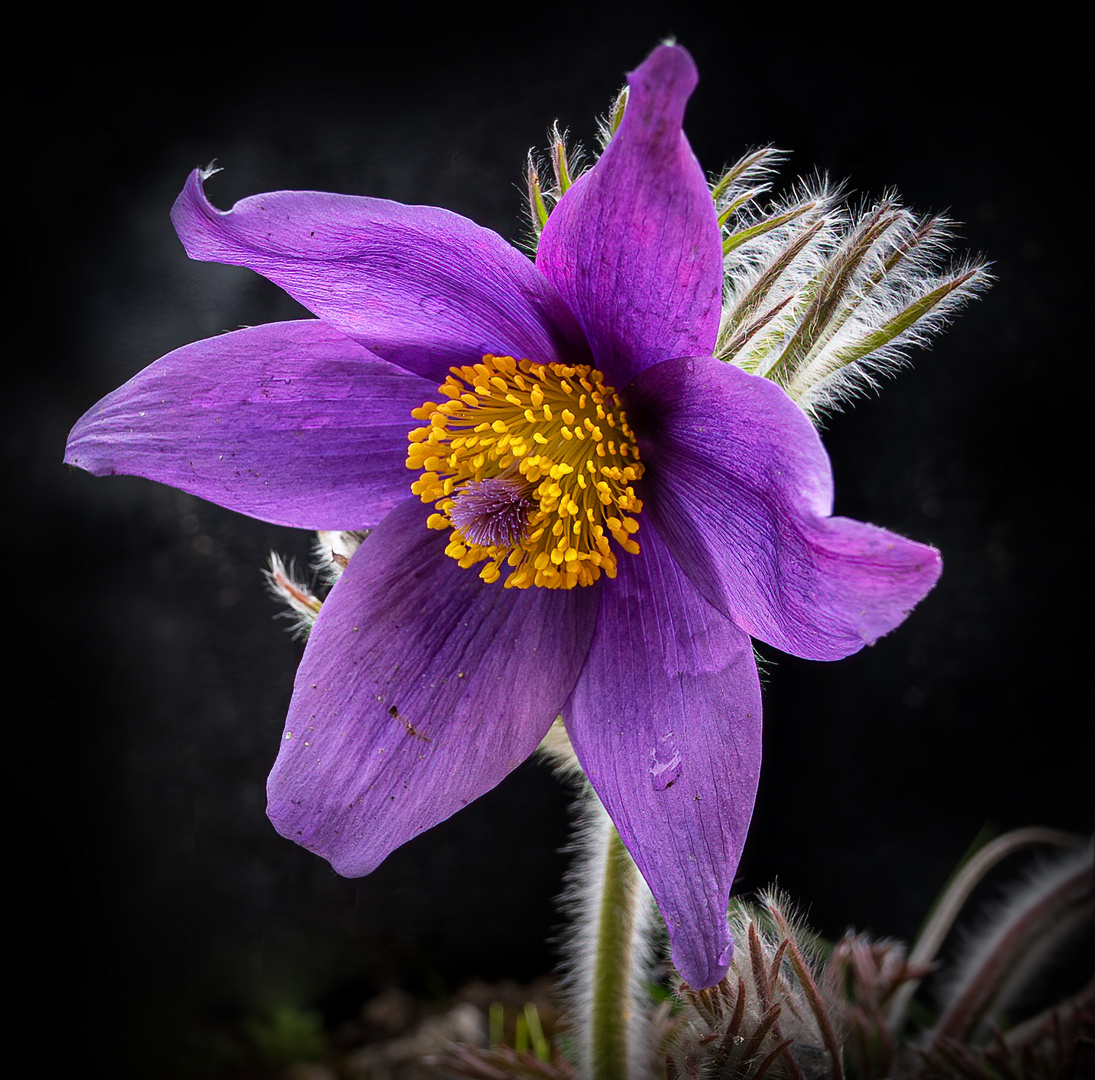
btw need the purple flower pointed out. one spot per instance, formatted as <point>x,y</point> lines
<point>602,514</point>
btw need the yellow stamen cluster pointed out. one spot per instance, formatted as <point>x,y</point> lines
<point>557,430</point>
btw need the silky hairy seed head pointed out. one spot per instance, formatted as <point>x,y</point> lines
<point>531,466</point>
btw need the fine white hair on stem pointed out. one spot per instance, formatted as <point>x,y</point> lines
<point>566,162</point>
<point>607,124</point>
<point>954,897</point>
<point>633,915</point>
<point>1019,937</point>
<point>331,552</point>
<point>301,603</point>
<point>557,750</point>
<point>769,273</point>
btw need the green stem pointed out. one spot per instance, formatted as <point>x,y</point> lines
<point>610,947</point>
<point>617,924</point>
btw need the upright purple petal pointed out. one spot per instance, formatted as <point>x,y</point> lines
<point>740,486</point>
<point>634,245</point>
<point>420,689</point>
<point>419,286</point>
<point>291,423</point>
<point>666,721</point>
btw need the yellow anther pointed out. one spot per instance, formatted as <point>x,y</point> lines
<point>535,430</point>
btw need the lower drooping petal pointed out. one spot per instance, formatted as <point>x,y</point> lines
<point>741,489</point>
<point>420,286</point>
<point>666,722</point>
<point>634,245</point>
<point>291,423</point>
<point>420,689</point>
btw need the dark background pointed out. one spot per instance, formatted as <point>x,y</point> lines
<point>150,678</point>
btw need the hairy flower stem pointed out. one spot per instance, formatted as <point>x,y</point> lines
<point>612,910</point>
<point>612,964</point>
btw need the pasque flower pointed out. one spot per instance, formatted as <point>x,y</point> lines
<point>577,509</point>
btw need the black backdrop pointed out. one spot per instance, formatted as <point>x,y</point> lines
<point>150,678</point>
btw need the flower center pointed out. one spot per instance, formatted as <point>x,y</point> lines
<point>531,465</point>
<point>492,513</point>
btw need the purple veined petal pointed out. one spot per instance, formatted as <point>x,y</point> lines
<point>740,487</point>
<point>666,722</point>
<point>634,245</point>
<point>422,287</point>
<point>291,423</point>
<point>420,689</point>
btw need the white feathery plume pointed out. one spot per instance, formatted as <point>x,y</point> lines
<point>302,604</point>
<point>331,553</point>
<point>824,301</point>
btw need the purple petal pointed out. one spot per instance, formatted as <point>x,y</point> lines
<point>741,488</point>
<point>420,689</point>
<point>419,286</point>
<point>291,423</point>
<point>634,245</point>
<point>666,721</point>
